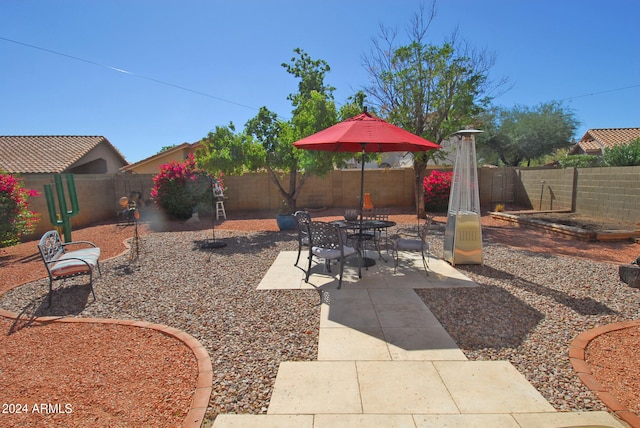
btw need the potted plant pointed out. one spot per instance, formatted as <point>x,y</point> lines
<point>285,218</point>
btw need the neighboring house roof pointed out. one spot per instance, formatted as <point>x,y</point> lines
<point>595,141</point>
<point>176,153</point>
<point>50,153</point>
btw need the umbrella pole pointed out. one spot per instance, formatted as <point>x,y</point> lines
<point>362,187</point>
<point>362,261</point>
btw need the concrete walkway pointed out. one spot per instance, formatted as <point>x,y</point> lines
<point>384,360</point>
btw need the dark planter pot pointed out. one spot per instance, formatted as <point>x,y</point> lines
<point>286,221</point>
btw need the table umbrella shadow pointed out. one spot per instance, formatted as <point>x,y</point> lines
<point>482,317</point>
<point>581,305</point>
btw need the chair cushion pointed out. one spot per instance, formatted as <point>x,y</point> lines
<point>69,263</point>
<point>348,250</point>
<point>403,244</point>
<point>84,252</point>
<point>327,253</point>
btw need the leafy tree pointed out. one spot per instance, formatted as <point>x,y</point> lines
<point>267,141</point>
<point>523,134</point>
<point>228,152</point>
<point>429,89</point>
<point>622,154</point>
<point>224,151</point>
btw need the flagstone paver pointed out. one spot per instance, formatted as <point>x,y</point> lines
<point>385,360</point>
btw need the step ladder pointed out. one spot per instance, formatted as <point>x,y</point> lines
<point>220,210</point>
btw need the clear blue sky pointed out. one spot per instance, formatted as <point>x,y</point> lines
<point>579,51</point>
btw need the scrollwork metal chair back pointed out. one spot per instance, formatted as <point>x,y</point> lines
<point>303,218</point>
<point>51,246</point>
<point>414,245</point>
<point>325,242</point>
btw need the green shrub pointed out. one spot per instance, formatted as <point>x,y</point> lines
<point>623,154</point>
<point>579,161</point>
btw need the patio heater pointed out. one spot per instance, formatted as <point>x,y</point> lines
<point>463,236</point>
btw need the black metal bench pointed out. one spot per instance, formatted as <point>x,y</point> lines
<point>62,264</point>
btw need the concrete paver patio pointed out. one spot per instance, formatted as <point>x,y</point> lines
<point>384,360</point>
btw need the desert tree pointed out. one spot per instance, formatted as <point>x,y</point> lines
<point>430,89</point>
<point>521,134</point>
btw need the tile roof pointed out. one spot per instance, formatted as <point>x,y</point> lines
<point>46,153</point>
<point>596,140</point>
<point>133,166</point>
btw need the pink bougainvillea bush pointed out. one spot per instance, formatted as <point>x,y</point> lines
<point>181,186</point>
<point>16,219</point>
<point>436,191</point>
<point>176,186</point>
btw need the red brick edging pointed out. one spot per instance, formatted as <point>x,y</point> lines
<point>582,368</point>
<point>200,400</point>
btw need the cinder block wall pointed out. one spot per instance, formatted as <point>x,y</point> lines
<point>340,188</point>
<point>98,194</point>
<point>546,188</point>
<point>600,192</point>
<point>609,192</point>
<point>95,193</point>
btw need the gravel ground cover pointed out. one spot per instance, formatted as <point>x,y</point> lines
<point>528,308</point>
<point>209,294</point>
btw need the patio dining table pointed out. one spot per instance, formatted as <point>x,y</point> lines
<point>360,231</point>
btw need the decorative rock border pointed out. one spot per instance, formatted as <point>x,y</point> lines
<point>200,401</point>
<point>582,368</point>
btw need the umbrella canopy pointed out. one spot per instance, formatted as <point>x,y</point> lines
<point>367,134</point>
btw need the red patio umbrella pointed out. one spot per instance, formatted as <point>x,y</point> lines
<point>367,134</point>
